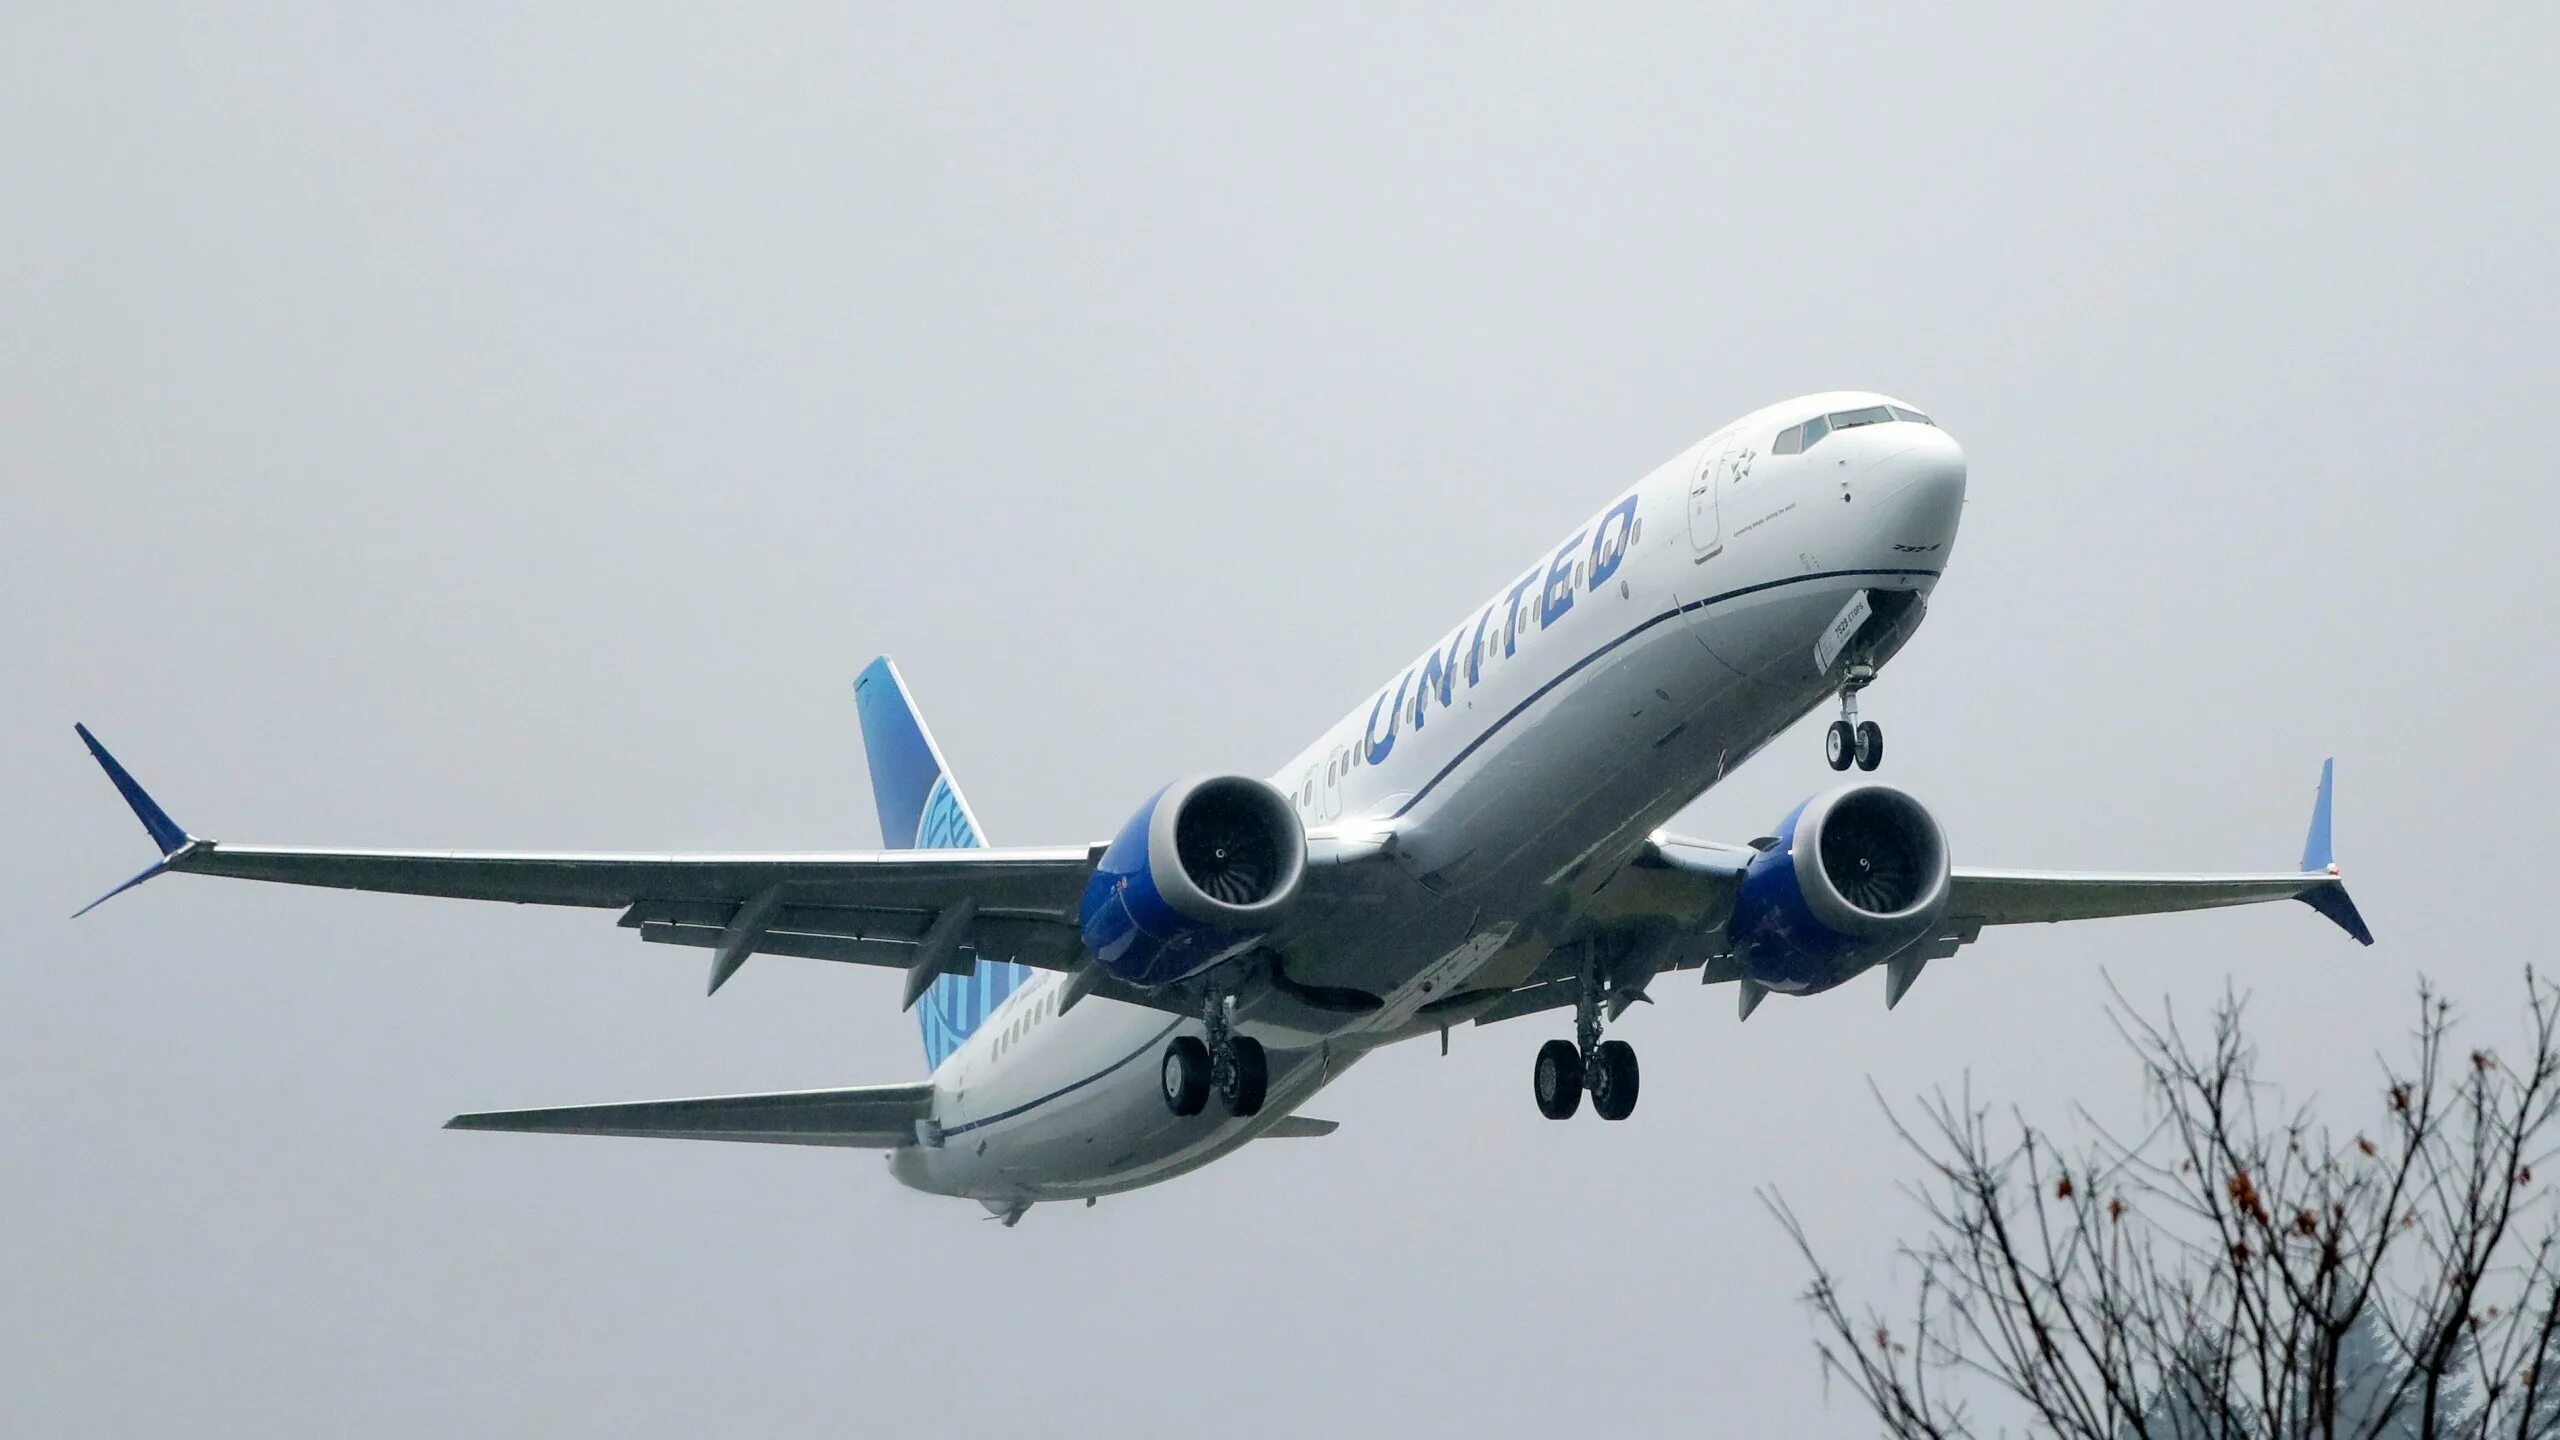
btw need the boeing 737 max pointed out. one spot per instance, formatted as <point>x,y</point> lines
<point>1478,840</point>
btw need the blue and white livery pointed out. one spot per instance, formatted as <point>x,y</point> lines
<point>1476,840</point>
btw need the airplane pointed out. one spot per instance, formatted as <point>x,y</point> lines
<point>1477,841</point>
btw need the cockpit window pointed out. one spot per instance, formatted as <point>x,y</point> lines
<point>1796,439</point>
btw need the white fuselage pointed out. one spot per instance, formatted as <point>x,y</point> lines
<point>1517,764</point>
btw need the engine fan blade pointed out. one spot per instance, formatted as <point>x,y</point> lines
<point>1880,881</point>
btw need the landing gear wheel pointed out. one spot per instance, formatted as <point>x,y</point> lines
<point>1840,745</point>
<point>1186,1075</point>
<point>1870,745</point>
<point>1247,1078</point>
<point>1613,1080</point>
<point>1558,1079</point>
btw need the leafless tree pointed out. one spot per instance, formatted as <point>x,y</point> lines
<point>2235,1267</point>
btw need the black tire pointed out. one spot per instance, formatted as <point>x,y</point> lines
<point>1557,1079</point>
<point>1613,1088</point>
<point>1248,1078</point>
<point>1839,745</point>
<point>1870,744</point>
<point>1186,1075</point>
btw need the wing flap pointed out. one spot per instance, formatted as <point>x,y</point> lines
<point>871,1117</point>
<point>845,949</point>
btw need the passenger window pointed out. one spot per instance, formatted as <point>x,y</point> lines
<point>1790,441</point>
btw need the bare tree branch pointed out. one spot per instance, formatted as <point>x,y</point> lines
<point>2230,1267</point>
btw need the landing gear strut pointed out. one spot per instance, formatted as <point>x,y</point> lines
<point>1234,1066</point>
<point>1606,1068</point>
<point>1851,740</point>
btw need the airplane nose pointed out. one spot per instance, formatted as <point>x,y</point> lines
<point>1920,490</point>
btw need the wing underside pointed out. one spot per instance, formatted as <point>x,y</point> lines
<point>874,1117</point>
<point>936,912</point>
<point>2023,897</point>
<point>864,908</point>
<point>1667,910</point>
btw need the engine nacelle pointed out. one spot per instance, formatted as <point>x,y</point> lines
<point>1200,872</point>
<point>1858,874</point>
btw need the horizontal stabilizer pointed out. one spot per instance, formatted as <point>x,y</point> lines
<point>872,1117</point>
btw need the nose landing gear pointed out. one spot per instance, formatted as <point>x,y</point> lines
<point>1850,740</point>
<point>1566,1068</point>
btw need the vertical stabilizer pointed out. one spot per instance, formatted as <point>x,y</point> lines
<point>921,808</point>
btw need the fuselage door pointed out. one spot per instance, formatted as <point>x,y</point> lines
<point>1706,534</point>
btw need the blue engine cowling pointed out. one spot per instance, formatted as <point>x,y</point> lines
<point>1200,872</point>
<point>1857,875</point>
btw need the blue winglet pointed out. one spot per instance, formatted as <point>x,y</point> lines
<point>2319,857</point>
<point>2331,899</point>
<point>2316,851</point>
<point>158,867</point>
<point>165,832</point>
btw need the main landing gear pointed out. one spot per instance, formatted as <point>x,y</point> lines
<point>1235,1066</point>
<point>1850,740</point>
<point>1566,1068</point>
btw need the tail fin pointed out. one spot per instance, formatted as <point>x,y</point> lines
<point>921,808</point>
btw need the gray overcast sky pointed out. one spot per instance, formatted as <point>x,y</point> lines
<point>467,426</point>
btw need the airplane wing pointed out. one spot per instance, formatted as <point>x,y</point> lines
<point>872,1117</point>
<point>2019,897</point>
<point>1669,906</point>
<point>927,912</point>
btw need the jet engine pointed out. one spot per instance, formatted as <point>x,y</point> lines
<point>1853,877</point>
<point>1203,869</point>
